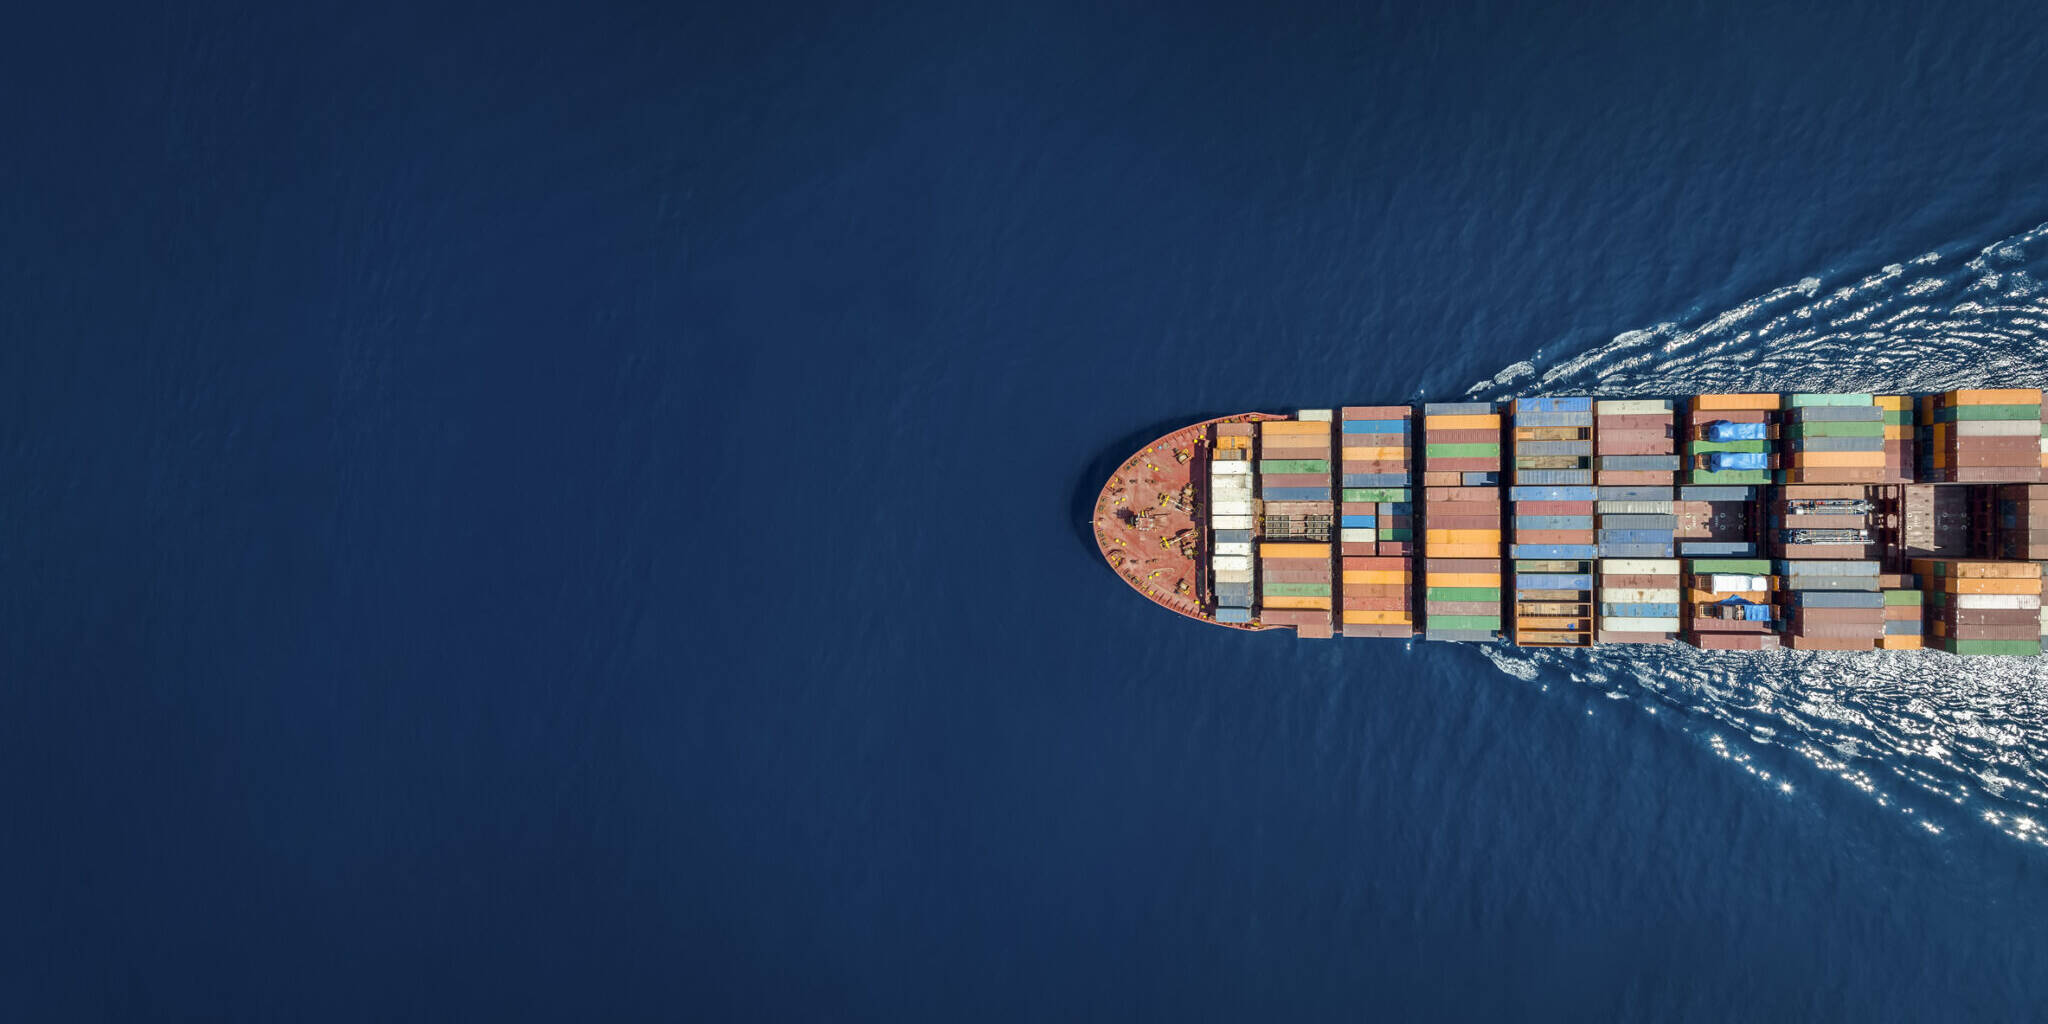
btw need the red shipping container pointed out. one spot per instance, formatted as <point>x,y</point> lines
<point>1486,465</point>
<point>1462,508</point>
<point>1294,616</point>
<point>1490,495</point>
<point>1376,412</point>
<point>1705,416</point>
<point>1382,564</point>
<point>1637,422</point>
<point>1553,508</point>
<point>1735,642</point>
<point>1994,632</point>
<point>1359,547</point>
<point>1634,478</point>
<point>1378,632</point>
<point>1396,547</point>
<point>1821,643</point>
<point>1636,448</point>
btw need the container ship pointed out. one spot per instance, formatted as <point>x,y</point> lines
<point>1836,522</point>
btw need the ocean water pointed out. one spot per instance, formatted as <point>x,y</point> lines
<point>524,512</point>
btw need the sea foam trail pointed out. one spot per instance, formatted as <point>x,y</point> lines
<point>1949,742</point>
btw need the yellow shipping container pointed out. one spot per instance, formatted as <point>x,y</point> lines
<point>1317,427</point>
<point>1362,617</point>
<point>1988,586</point>
<point>1898,432</point>
<point>1996,396</point>
<point>1709,402</point>
<point>1470,421</point>
<point>1899,643</point>
<point>1461,536</point>
<point>1280,601</point>
<point>1820,460</point>
<point>1462,579</point>
<point>1375,454</point>
<point>1378,577</point>
<point>1281,549</point>
<point>1463,550</point>
<point>1893,402</point>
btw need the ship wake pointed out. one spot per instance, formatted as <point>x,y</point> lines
<point>1951,743</point>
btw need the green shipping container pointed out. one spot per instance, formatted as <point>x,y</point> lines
<point>1462,622</point>
<point>1898,417</point>
<point>1297,589</point>
<point>1294,466</point>
<point>1732,476</point>
<point>1703,447</point>
<point>1978,648</point>
<point>1867,429</point>
<point>1813,401</point>
<point>1965,413</point>
<point>1464,593</point>
<point>1375,494</point>
<point>1461,451</point>
<point>1902,597</point>
<point>1742,566</point>
<point>1397,534</point>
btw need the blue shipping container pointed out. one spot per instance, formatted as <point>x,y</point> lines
<point>1296,494</point>
<point>1360,522</point>
<point>1376,426</point>
<point>1535,493</point>
<point>1555,551</point>
<point>1553,581</point>
<point>1375,479</point>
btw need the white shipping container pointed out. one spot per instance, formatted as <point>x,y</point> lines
<point>1634,508</point>
<point>1359,535</point>
<point>1621,625</point>
<point>1223,562</point>
<point>1996,428</point>
<point>1229,468</point>
<point>1222,490</point>
<point>1233,547</point>
<point>1637,595</point>
<point>1633,407</point>
<point>1640,566</point>
<point>1232,575</point>
<point>1996,602</point>
<point>1725,582</point>
<point>1313,415</point>
<point>1232,522</point>
<point>1232,508</point>
<point>2044,446</point>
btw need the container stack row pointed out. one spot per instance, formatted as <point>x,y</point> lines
<point>1378,443</point>
<point>1638,445</point>
<point>1231,523</point>
<point>1833,439</point>
<point>1831,605</point>
<point>1379,596</point>
<point>1461,444</point>
<point>1295,586</point>
<point>1554,442</point>
<point>1461,561</point>
<point>1900,452</point>
<point>1732,605</point>
<point>1553,555</point>
<point>1639,600</point>
<point>1553,602</point>
<point>2023,522</point>
<point>1982,607</point>
<point>1828,521</point>
<point>1905,623</point>
<point>1729,439</point>
<point>1984,436</point>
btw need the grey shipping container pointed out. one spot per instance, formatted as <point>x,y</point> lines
<point>1635,508</point>
<point>1459,408</point>
<point>1838,414</point>
<point>1638,522</point>
<point>1717,493</point>
<point>1640,463</point>
<point>1634,493</point>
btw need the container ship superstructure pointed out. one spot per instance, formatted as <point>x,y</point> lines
<point>1840,522</point>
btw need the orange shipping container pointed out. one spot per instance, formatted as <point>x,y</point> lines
<point>1472,421</point>
<point>1366,618</point>
<point>1272,549</point>
<point>1706,402</point>
<point>1838,459</point>
<point>1278,601</point>
<point>1463,579</point>
<point>1991,586</point>
<point>1996,396</point>
<point>1464,550</point>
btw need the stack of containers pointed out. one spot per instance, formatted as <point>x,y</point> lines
<point>1982,607</point>
<point>1899,459</point>
<point>2023,522</point>
<point>1379,596</point>
<point>1637,446</point>
<point>1554,441</point>
<point>1378,442</point>
<point>1553,603</point>
<point>1987,436</point>
<point>1639,600</point>
<point>1832,605</point>
<point>1230,522</point>
<point>1461,444</point>
<point>1294,478</point>
<point>1904,614</point>
<point>1833,439</point>
<point>1295,587</point>
<point>1553,554</point>
<point>1461,551</point>
<point>1729,438</point>
<point>1731,605</point>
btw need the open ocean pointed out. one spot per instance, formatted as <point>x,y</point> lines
<point>523,512</point>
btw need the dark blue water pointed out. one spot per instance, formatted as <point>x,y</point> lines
<point>561,513</point>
